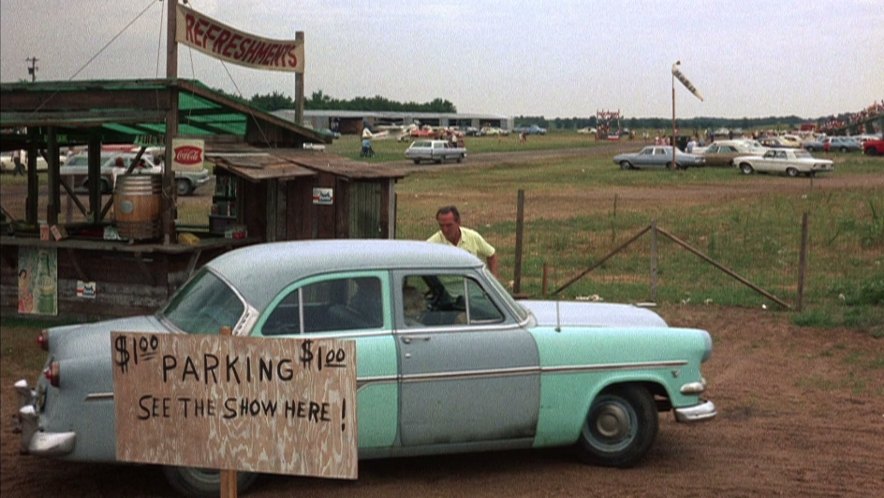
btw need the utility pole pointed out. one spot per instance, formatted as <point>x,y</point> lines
<point>32,68</point>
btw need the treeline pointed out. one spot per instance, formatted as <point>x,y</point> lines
<point>321,102</point>
<point>701,123</point>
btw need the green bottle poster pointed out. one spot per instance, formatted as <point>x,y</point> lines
<point>37,281</point>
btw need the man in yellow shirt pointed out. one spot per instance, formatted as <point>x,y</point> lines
<point>451,233</point>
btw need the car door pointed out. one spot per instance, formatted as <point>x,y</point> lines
<point>644,158</point>
<point>351,306</point>
<point>469,372</point>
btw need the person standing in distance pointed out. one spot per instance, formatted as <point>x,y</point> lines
<point>451,233</point>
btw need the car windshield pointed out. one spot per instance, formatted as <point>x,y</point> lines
<point>204,305</point>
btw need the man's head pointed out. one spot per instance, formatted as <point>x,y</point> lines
<point>449,223</point>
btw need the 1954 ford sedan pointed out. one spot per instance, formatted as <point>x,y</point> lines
<point>471,369</point>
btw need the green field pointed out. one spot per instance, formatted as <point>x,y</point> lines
<point>577,210</point>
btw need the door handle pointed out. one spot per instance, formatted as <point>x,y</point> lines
<point>407,339</point>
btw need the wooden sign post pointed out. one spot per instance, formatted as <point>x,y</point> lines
<point>282,406</point>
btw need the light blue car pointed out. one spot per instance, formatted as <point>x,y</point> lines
<point>467,369</point>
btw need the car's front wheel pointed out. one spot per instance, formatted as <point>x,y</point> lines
<point>625,165</point>
<point>620,427</point>
<point>192,481</point>
<point>792,172</point>
<point>746,168</point>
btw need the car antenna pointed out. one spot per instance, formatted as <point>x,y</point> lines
<point>558,317</point>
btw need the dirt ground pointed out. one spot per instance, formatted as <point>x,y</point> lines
<point>801,413</point>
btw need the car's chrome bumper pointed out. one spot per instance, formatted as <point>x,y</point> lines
<point>697,413</point>
<point>26,422</point>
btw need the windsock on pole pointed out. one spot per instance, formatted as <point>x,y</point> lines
<point>687,84</point>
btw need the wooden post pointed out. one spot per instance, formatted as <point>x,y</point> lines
<point>33,201</point>
<point>520,227</point>
<point>299,86</point>
<point>169,191</point>
<point>802,261</point>
<point>654,261</point>
<point>52,177</point>
<point>228,476</point>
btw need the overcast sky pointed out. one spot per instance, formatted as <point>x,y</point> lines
<point>560,58</point>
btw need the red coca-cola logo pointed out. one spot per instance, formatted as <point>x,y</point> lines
<point>188,154</point>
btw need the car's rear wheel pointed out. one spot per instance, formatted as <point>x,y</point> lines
<point>792,172</point>
<point>183,187</point>
<point>460,158</point>
<point>746,168</point>
<point>620,427</point>
<point>192,481</point>
<point>843,149</point>
<point>625,165</point>
<point>417,161</point>
<point>871,151</point>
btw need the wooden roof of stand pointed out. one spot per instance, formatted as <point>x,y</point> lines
<point>261,164</point>
<point>134,111</point>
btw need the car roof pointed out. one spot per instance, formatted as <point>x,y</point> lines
<point>261,271</point>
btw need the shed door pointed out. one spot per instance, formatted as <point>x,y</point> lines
<point>365,210</point>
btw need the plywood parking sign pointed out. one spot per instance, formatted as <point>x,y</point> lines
<point>283,406</point>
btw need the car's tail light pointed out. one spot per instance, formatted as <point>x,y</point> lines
<point>43,340</point>
<point>53,374</point>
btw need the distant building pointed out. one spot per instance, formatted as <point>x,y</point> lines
<point>352,122</point>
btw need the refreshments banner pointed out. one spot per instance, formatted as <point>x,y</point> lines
<point>226,43</point>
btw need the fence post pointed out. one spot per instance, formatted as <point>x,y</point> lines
<point>654,261</point>
<point>520,227</point>
<point>802,261</point>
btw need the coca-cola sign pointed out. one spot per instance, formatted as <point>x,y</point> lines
<point>189,155</point>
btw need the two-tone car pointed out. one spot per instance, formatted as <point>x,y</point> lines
<point>658,157</point>
<point>791,162</point>
<point>469,369</point>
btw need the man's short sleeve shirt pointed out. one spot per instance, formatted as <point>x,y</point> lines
<point>470,241</point>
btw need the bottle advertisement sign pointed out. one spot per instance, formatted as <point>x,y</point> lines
<point>188,154</point>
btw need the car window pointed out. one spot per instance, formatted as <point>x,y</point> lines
<point>204,305</point>
<point>647,152</point>
<point>351,303</point>
<point>446,300</point>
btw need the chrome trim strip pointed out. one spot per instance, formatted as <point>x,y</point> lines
<point>515,371</point>
<point>614,366</point>
<point>99,396</point>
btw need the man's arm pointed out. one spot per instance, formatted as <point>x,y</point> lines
<point>492,264</point>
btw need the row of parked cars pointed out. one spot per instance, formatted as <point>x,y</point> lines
<point>749,156</point>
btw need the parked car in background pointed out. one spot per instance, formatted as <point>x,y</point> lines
<point>434,150</point>
<point>792,141</point>
<point>813,144</point>
<point>530,130</point>
<point>874,147</point>
<point>722,152</point>
<point>75,172</point>
<point>774,143</point>
<point>791,162</point>
<point>841,144</point>
<point>657,157</point>
<point>495,131</point>
<point>587,131</point>
<point>471,370</point>
<point>8,166</point>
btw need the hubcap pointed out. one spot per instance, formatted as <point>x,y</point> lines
<point>612,422</point>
